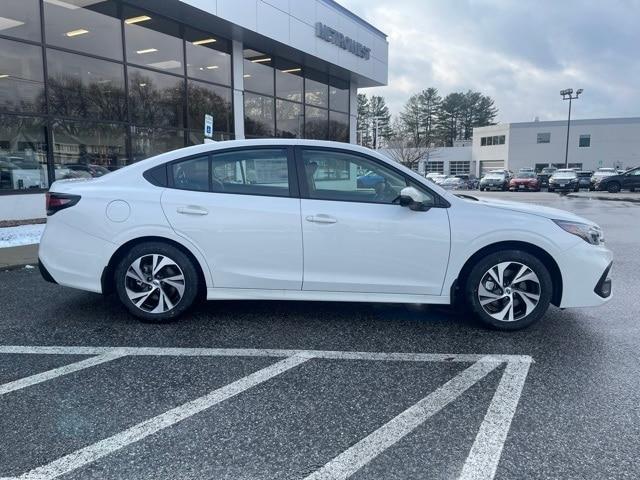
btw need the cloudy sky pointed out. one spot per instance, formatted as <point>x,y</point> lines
<point>521,52</point>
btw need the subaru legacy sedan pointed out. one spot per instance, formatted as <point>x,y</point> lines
<point>287,220</point>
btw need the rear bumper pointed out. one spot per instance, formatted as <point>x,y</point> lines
<point>45,273</point>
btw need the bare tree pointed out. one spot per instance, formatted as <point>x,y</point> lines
<point>404,149</point>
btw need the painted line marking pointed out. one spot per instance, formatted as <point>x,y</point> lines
<point>483,459</point>
<point>58,372</point>
<point>257,352</point>
<point>357,456</point>
<point>91,453</point>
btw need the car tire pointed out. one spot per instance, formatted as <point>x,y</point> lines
<point>515,306</point>
<point>613,187</point>
<point>158,296</point>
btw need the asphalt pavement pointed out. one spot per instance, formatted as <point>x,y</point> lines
<point>287,390</point>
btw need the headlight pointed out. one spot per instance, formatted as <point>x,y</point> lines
<point>589,233</point>
<point>552,180</point>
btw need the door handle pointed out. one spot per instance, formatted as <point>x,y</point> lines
<point>193,210</point>
<point>321,218</point>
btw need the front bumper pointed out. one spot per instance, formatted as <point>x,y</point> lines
<point>585,273</point>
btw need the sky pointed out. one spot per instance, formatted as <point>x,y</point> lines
<point>520,52</point>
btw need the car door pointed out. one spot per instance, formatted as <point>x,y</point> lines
<point>359,239</point>
<point>241,208</point>
<point>631,180</point>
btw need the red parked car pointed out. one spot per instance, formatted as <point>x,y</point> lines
<point>525,181</point>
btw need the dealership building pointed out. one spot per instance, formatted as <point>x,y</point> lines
<point>88,86</point>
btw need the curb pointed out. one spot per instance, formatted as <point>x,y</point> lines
<point>605,198</point>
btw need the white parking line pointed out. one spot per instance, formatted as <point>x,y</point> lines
<point>91,453</point>
<point>482,462</point>
<point>356,457</point>
<point>58,372</point>
<point>259,352</point>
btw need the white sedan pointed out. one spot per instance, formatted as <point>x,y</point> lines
<point>286,219</point>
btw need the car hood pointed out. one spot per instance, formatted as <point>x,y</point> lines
<point>539,210</point>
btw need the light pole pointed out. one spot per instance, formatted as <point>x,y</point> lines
<point>567,94</point>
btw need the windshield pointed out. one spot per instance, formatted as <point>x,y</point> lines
<point>452,180</point>
<point>603,174</point>
<point>565,174</point>
<point>548,170</point>
<point>495,176</point>
<point>526,175</point>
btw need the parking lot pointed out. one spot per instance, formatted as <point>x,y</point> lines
<point>301,390</point>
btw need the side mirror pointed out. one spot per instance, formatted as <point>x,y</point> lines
<point>414,199</point>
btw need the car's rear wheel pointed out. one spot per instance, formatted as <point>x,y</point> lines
<point>156,282</point>
<point>509,290</point>
<point>613,187</point>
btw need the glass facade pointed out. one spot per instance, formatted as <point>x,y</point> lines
<point>88,86</point>
<point>290,101</point>
<point>105,84</point>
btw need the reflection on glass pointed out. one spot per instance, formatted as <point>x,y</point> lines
<point>87,149</point>
<point>316,92</point>
<point>85,26</point>
<point>339,95</point>
<point>213,100</point>
<point>289,81</point>
<point>208,57</point>
<point>23,153</point>
<point>84,87</point>
<point>20,19</point>
<point>289,119</point>
<point>258,115</point>
<point>153,42</point>
<point>147,142</point>
<point>196,137</point>
<point>338,127</point>
<point>258,72</point>
<point>21,77</point>
<point>316,123</point>
<point>156,99</point>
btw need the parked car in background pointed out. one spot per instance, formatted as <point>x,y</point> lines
<point>471,180</point>
<point>524,181</point>
<point>369,180</point>
<point>526,169</point>
<point>584,179</point>
<point>438,179</point>
<point>91,170</point>
<point>494,181</point>
<point>454,183</point>
<point>545,175</point>
<point>629,180</point>
<point>564,179</point>
<point>599,175</point>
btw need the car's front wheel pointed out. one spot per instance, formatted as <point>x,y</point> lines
<point>613,187</point>
<point>156,281</point>
<point>509,290</point>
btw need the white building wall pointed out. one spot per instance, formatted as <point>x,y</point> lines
<point>491,153</point>
<point>22,207</point>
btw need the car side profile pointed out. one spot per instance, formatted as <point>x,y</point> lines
<point>629,180</point>
<point>286,219</point>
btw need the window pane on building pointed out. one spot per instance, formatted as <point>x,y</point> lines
<point>89,144</point>
<point>85,87</point>
<point>147,142</point>
<point>258,116</point>
<point>338,127</point>
<point>316,92</point>
<point>91,27</point>
<point>156,99</point>
<point>544,137</point>
<point>21,77</point>
<point>585,141</point>
<point>316,123</point>
<point>23,153</point>
<point>153,42</point>
<point>289,81</point>
<point>459,167</point>
<point>339,95</point>
<point>289,119</point>
<point>212,100</point>
<point>434,167</point>
<point>208,57</point>
<point>20,19</point>
<point>258,72</point>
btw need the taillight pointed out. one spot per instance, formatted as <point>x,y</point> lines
<point>60,201</point>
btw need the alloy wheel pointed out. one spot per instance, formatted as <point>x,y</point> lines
<point>154,283</point>
<point>509,291</point>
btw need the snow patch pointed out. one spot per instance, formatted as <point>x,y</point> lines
<point>22,235</point>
